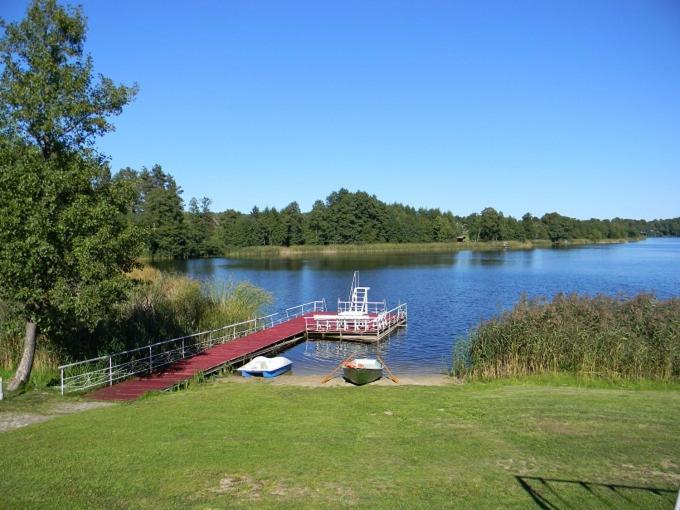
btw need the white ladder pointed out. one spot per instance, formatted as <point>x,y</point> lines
<point>359,301</point>
<point>358,296</point>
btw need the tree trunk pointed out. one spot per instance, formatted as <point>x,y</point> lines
<point>24,370</point>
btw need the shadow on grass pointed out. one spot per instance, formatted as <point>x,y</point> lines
<point>559,494</point>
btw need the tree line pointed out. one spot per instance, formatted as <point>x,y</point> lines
<point>172,230</point>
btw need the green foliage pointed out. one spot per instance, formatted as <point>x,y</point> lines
<point>608,337</point>
<point>490,225</point>
<point>201,235</point>
<point>157,211</point>
<point>64,239</point>
<point>559,227</point>
<point>48,93</point>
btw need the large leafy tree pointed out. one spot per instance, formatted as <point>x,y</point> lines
<point>293,222</point>
<point>490,225</point>
<point>64,239</point>
<point>162,214</point>
<point>558,226</point>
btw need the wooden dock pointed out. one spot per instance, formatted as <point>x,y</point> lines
<point>371,328</point>
<point>164,365</point>
<point>206,362</point>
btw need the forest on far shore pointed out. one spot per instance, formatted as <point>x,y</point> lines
<point>344,217</point>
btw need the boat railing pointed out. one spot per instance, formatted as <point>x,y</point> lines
<point>369,324</point>
<point>110,368</point>
<point>311,307</point>
<point>374,307</point>
<point>396,315</point>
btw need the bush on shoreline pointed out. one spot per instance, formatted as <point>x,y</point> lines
<point>601,336</point>
<point>159,306</point>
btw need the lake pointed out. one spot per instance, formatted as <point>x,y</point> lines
<point>447,293</point>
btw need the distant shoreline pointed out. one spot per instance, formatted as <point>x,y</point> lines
<point>333,250</point>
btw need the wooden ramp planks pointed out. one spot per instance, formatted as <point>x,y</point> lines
<point>206,361</point>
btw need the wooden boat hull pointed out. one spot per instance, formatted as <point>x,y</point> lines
<point>360,376</point>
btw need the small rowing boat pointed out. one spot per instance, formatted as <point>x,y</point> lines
<point>362,371</point>
<point>261,366</point>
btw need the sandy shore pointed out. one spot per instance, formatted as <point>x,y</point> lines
<point>313,381</point>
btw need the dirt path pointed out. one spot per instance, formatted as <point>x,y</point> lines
<point>12,419</point>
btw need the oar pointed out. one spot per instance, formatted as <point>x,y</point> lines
<point>330,376</point>
<point>389,372</point>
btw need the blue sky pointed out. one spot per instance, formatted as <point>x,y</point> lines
<point>537,106</point>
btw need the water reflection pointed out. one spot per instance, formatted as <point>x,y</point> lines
<point>345,263</point>
<point>485,258</point>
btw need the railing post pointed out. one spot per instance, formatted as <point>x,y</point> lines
<point>150,360</point>
<point>62,381</point>
<point>110,371</point>
<point>183,348</point>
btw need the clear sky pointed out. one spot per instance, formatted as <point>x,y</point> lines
<point>536,106</point>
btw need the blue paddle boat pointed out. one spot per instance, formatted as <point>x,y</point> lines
<point>261,366</point>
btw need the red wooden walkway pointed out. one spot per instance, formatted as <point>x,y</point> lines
<point>206,361</point>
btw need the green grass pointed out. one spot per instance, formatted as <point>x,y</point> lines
<point>442,247</point>
<point>225,445</point>
<point>40,377</point>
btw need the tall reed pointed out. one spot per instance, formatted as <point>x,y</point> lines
<point>628,338</point>
<point>159,306</point>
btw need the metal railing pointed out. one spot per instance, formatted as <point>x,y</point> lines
<point>105,370</point>
<point>369,325</point>
<point>373,306</point>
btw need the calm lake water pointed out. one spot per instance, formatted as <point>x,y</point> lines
<point>447,293</point>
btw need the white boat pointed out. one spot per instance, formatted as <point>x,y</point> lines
<point>261,366</point>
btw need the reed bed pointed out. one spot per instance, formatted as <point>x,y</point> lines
<point>601,336</point>
<point>160,306</point>
<point>373,248</point>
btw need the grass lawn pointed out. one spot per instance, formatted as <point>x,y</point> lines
<point>226,445</point>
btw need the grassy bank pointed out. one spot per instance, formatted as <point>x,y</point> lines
<point>159,306</point>
<point>255,445</point>
<point>614,338</point>
<point>377,248</point>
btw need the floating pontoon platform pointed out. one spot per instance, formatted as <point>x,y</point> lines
<point>357,319</point>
